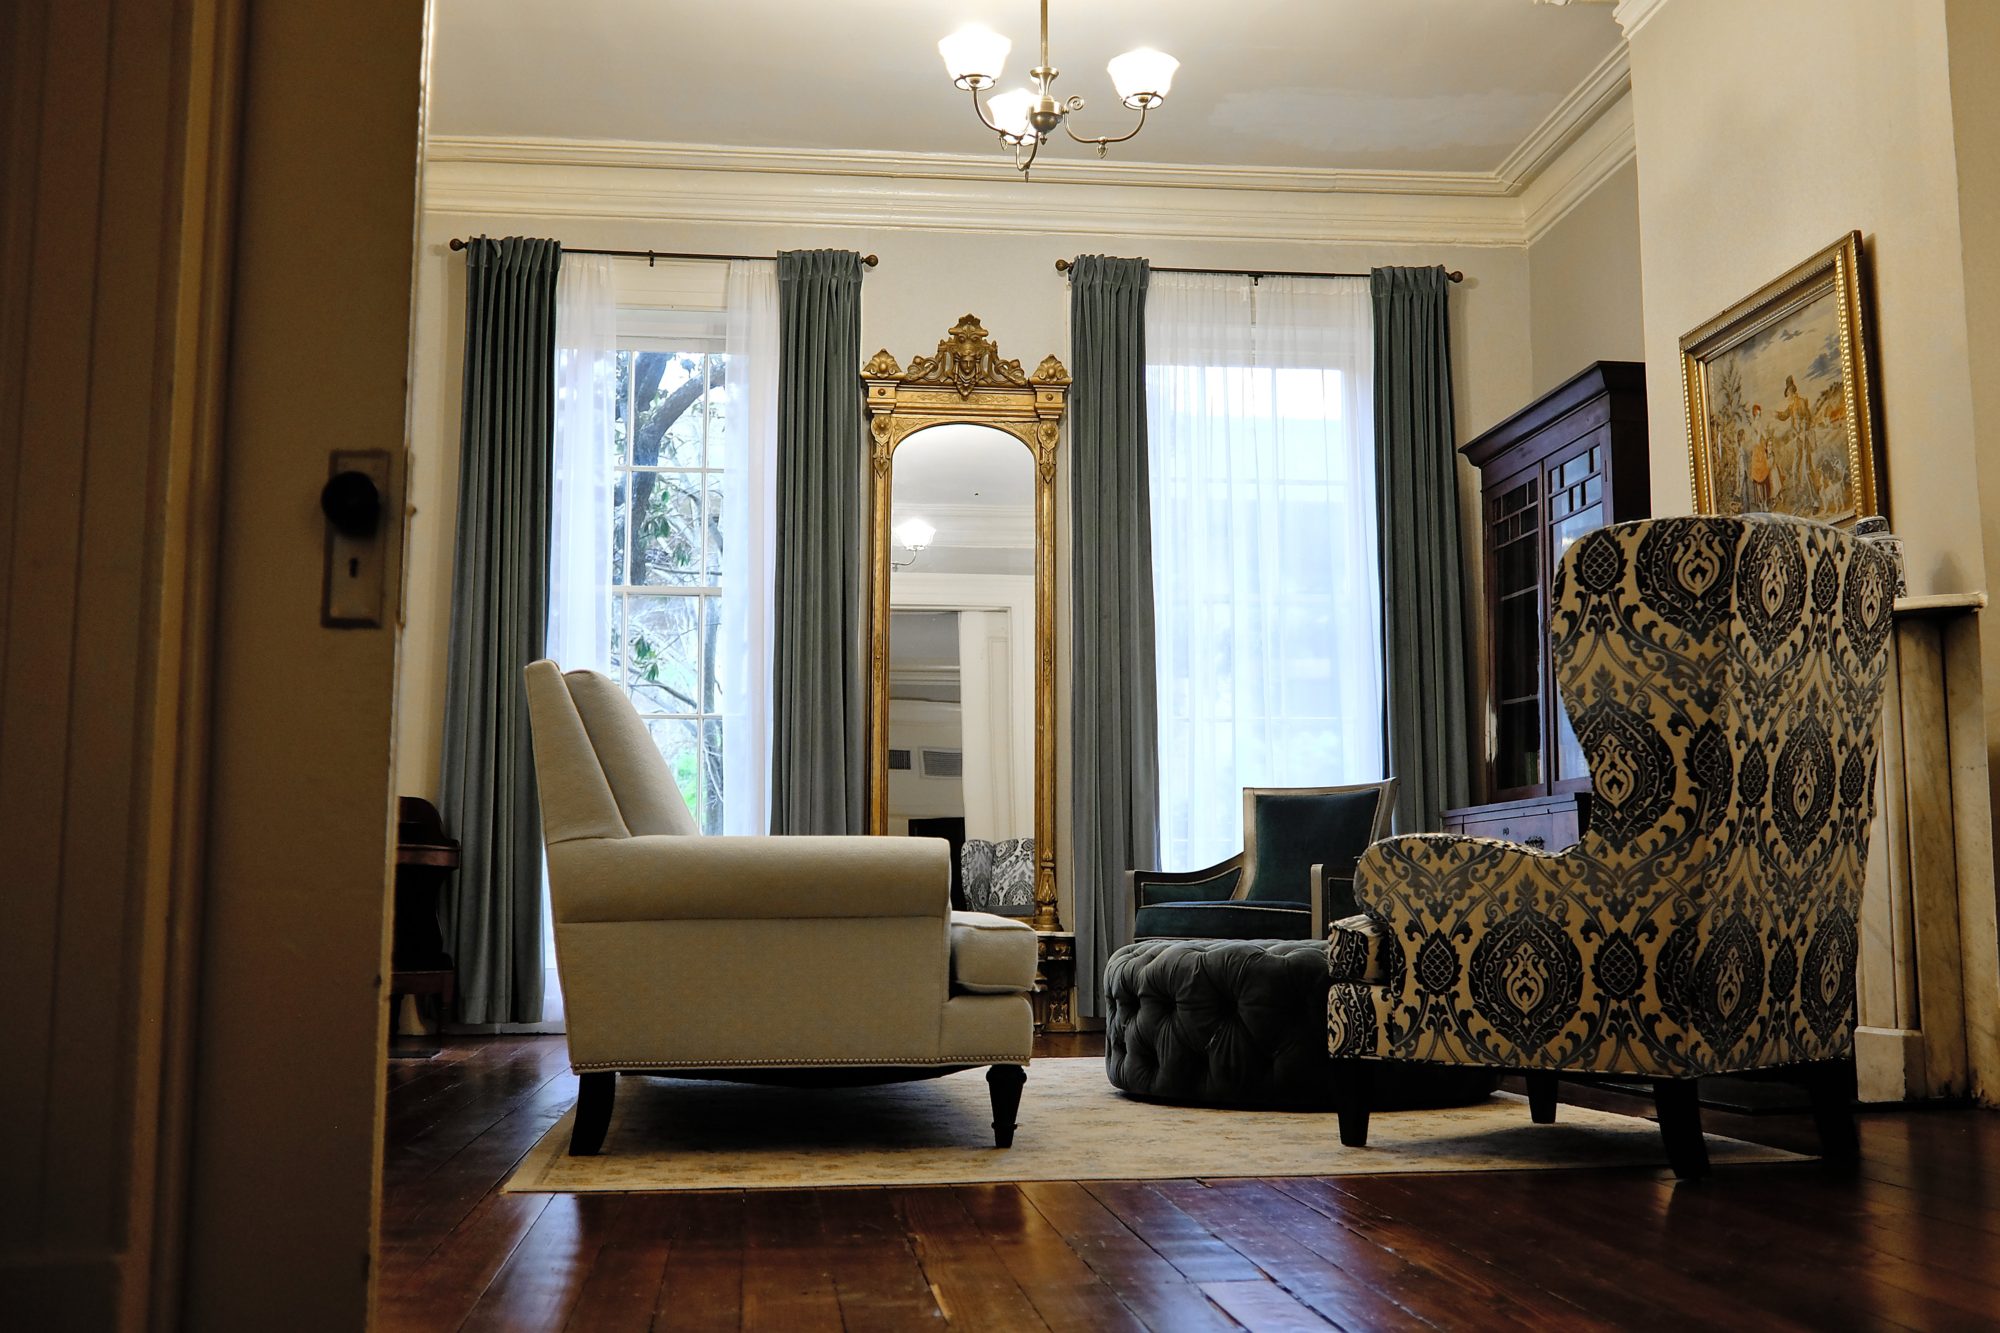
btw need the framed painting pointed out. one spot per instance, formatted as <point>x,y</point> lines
<point>1779,414</point>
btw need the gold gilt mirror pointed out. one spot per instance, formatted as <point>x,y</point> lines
<point>961,626</point>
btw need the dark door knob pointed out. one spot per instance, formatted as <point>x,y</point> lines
<point>352,503</point>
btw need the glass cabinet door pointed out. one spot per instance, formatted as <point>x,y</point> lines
<point>1514,528</point>
<point>1575,491</point>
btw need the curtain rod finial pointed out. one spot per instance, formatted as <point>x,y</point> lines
<point>1455,275</point>
<point>871,260</point>
<point>457,243</point>
<point>1064,265</point>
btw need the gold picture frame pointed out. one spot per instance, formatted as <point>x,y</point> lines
<point>1780,415</point>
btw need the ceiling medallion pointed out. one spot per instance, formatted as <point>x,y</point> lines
<point>1024,118</point>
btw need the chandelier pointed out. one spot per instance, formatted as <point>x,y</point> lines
<point>1024,118</point>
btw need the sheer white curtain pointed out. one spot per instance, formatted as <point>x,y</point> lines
<point>1266,588</point>
<point>749,546</point>
<point>580,601</point>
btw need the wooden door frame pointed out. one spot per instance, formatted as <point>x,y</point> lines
<point>201,195</point>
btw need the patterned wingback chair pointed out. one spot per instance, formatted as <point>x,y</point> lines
<point>1724,676</point>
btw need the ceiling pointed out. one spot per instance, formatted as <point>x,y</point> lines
<point>1419,85</point>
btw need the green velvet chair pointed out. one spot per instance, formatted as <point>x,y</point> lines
<point>1294,875</point>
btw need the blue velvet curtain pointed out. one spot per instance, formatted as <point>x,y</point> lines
<point>1416,488</point>
<point>492,915</point>
<point>818,761</point>
<point>1115,723</point>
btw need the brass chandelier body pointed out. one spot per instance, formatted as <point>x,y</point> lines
<point>1025,118</point>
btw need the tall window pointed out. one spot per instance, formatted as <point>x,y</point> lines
<point>669,449</point>
<point>1267,603</point>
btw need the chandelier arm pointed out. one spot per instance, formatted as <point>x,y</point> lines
<point>1104,141</point>
<point>980,112</point>
<point>1034,143</point>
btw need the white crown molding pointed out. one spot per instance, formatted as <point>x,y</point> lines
<point>493,187</point>
<point>992,168</point>
<point>1592,158</point>
<point>1633,15</point>
<point>1572,117</point>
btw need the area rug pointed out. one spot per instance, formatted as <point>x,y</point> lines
<point>686,1134</point>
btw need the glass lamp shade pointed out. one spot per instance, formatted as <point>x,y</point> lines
<point>974,56</point>
<point>914,534</point>
<point>1142,77</point>
<point>1010,111</point>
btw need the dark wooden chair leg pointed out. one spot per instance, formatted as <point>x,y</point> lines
<point>1353,1090</point>
<point>1832,1088</point>
<point>1003,1083</point>
<point>1679,1105</point>
<point>1541,1096</point>
<point>594,1092</point>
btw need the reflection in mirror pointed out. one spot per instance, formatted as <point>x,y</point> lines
<point>961,651</point>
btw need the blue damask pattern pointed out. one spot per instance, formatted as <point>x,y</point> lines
<point>1724,677</point>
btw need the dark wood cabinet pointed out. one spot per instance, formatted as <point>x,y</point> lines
<point>1573,460</point>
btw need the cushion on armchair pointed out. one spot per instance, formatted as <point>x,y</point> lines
<point>991,955</point>
<point>1296,832</point>
<point>999,877</point>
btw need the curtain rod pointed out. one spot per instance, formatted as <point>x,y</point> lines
<point>458,243</point>
<point>1064,266</point>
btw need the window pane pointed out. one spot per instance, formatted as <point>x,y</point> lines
<point>711,609</point>
<point>717,408</point>
<point>664,640</point>
<point>680,746</point>
<point>621,400</point>
<point>667,394</point>
<point>710,813</point>
<point>713,528</point>
<point>621,490</point>
<point>667,540</point>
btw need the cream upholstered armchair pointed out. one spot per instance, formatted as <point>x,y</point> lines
<point>780,960</point>
<point>1724,677</point>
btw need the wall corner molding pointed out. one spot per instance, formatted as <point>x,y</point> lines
<point>1633,15</point>
<point>1593,157</point>
<point>1600,90</point>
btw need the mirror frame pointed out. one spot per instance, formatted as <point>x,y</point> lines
<point>968,383</point>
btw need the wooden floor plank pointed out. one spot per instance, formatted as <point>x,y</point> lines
<point>876,1273</point>
<point>1910,1239</point>
<point>702,1291</point>
<point>1144,1281</point>
<point>1485,1284</point>
<point>787,1279</point>
<point>1183,1242</point>
<point>535,1288</point>
<point>1263,1306</point>
<point>1268,1229</point>
<point>973,1286</point>
<point>1065,1291</point>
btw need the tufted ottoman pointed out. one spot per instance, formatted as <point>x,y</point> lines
<point>1243,1023</point>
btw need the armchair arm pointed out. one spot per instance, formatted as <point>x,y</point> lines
<point>666,878</point>
<point>1410,886</point>
<point>1322,878</point>
<point>1214,884</point>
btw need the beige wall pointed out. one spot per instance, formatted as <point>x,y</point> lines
<point>926,280</point>
<point>1583,285</point>
<point>1767,131</point>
